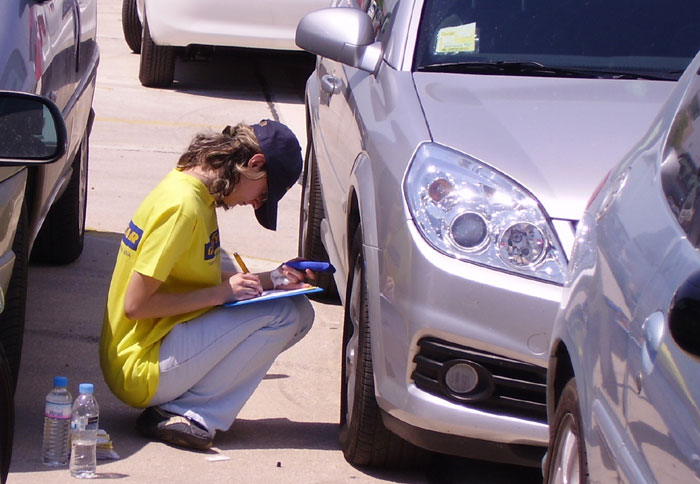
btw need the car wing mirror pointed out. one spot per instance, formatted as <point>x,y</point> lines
<point>342,34</point>
<point>684,315</point>
<point>32,130</point>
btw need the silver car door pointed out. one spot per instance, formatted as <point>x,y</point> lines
<point>663,389</point>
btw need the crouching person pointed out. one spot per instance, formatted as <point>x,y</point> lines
<point>167,343</point>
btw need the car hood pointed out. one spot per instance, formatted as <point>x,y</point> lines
<point>556,137</point>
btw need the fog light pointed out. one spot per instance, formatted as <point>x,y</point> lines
<point>461,378</point>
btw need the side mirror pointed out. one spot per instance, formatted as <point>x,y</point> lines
<point>684,315</point>
<point>32,130</point>
<point>342,34</point>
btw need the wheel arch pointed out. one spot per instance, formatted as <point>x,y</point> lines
<point>560,371</point>
<point>362,213</point>
<point>362,207</point>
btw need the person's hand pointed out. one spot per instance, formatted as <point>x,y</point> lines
<point>244,286</point>
<point>285,277</point>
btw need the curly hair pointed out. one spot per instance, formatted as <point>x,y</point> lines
<point>225,154</point>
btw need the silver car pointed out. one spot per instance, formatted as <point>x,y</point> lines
<point>452,148</point>
<point>623,388</point>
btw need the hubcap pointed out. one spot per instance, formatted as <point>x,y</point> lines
<point>351,347</point>
<point>82,194</point>
<point>304,221</point>
<point>566,466</point>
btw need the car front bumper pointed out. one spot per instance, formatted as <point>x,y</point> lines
<point>435,310</point>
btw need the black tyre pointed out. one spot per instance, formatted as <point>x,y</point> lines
<point>310,216</point>
<point>12,317</point>
<point>61,238</point>
<point>131,25</point>
<point>566,456</point>
<point>157,68</point>
<point>364,439</point>
<point>7,417</point>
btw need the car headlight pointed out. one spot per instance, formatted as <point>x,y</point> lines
<point>469,211</point>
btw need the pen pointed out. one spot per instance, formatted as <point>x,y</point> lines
<point>241,264</point>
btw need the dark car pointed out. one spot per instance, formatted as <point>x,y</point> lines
<point>48,49</point>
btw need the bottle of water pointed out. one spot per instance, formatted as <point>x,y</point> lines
<point>83,428</point>
<point>54,447</point>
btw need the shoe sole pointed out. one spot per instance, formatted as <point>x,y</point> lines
<point>184,440</point>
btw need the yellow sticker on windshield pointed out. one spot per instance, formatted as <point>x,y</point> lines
<point>456,39</point>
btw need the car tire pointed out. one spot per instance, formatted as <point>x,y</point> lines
<point>61,238</point>
<point>310,216</point>
<point>364,439</point>
<point>157,68</point>
<point>7,416</point>
<point>131,25</point>
<point>566,456</point>
<point>13,314</point>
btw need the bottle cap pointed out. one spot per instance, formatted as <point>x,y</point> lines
<point>60,381</point>
<point>86,388</point>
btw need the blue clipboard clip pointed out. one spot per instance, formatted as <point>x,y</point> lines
<point>316,266</point>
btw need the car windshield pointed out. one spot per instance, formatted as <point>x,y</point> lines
<point>626,39</point>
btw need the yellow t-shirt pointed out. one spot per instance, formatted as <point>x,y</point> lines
<point>173,237</point>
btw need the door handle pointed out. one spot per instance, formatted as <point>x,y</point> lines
<point>653,330</point>
<point>330,84</point>
<point>652,335</point>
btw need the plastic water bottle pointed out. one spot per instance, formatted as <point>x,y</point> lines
<point>83,428</point>
<point>54,447</point>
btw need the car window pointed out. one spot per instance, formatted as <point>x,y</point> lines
<point>680,173</point>
<point>623,35</point>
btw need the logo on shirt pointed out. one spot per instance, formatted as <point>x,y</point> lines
<point>132,236</point>
<point>211,246</point>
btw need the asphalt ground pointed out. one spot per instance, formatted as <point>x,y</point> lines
<point>287,432</point>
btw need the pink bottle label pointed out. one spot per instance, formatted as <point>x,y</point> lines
<point>59,411</point>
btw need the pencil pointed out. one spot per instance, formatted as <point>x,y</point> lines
<point>241,264</point>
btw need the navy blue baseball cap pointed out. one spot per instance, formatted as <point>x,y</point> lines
<point>283,164</point>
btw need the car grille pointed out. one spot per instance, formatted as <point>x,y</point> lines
<point>516,388</point>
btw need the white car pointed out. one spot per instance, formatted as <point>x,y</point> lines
<point>157,28</point>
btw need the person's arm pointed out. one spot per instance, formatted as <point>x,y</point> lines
<point>143,300</point>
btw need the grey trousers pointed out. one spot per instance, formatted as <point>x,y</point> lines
<point>211,365</point>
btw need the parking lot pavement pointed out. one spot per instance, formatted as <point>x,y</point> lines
<point>287,432</point>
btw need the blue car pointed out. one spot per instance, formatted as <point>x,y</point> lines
<point>623,384</point>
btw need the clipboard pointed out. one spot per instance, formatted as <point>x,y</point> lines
<point>274,294</point>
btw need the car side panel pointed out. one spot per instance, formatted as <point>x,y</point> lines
<point>70,80</point>
<point>662,389</point>
<point>613,290</point>
<point>625,259</point>
<point>270,25</point>
<point>337,144</point>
